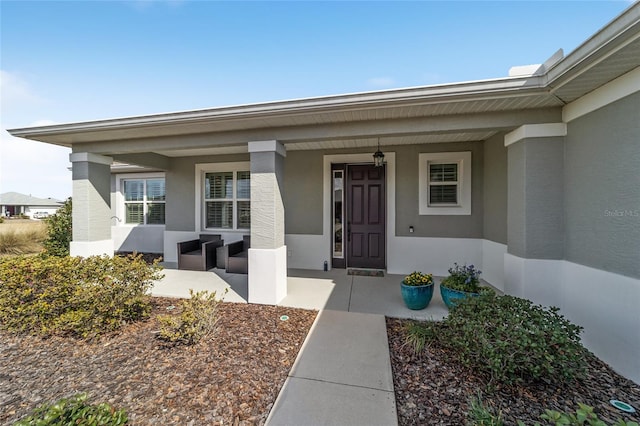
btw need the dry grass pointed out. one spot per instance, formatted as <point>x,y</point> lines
<point>21,236</point>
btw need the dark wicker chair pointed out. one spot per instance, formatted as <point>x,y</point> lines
<point>200,254</point>
<point>234,257</point>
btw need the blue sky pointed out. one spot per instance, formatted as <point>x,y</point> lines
<point>73,61</point>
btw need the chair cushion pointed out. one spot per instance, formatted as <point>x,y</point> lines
<point>193,253</point>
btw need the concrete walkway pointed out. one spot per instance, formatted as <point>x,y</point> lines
<point>342,375</point>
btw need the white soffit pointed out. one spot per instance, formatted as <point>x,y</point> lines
<point>613,91</point>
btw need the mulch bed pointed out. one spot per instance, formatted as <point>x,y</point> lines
<point>232,378</point>
<point>432,389</point>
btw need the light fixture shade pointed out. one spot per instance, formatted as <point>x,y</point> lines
<point>378,158</point>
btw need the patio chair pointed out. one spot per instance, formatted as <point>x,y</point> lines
<point>234,257</point>
<point>200,254</point>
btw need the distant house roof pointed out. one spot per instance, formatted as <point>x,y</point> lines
<point>16,199</point>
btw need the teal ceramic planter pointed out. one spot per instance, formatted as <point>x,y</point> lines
<point>450,297</point>
<point>416,297</point>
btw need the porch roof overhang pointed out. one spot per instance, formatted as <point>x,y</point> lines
<point>455,112</point>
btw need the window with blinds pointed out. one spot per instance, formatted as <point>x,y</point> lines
<point>144,201</point>
<point>443,184</point>
<point>227,200</point>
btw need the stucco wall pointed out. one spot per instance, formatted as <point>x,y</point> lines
<point>180,186</point>
<point>469,226</point>
<point>602,188</point>
<point>302,195</point>
<point>535,218</point>
<point>303,192</point>
<point>495,189</point>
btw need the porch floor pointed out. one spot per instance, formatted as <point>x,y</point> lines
<point>310,289</point>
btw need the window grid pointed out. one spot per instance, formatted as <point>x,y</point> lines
<point>144,201</point>
<point>227,200</point>
<point>443,183</point>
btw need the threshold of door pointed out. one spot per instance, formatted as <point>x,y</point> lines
<point>366,272</point>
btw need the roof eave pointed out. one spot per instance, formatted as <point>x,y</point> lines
<point>455,92</point>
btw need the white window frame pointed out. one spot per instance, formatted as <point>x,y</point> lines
<point>201,171</point>
<point>463,160</point>
<point>120,199</point>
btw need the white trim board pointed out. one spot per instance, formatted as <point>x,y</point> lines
<point>527,131</point>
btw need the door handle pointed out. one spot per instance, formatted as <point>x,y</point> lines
<point>348,231</point>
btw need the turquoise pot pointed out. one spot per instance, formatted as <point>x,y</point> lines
<point>450,297</point>
<point>416,296</point>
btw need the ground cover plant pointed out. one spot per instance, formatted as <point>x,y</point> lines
<point>21,236</point>
<point>75,411</point>
<point>527,361</point>
<point>80,297</point>
<point>509,339</point>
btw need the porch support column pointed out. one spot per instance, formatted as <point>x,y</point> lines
<point>268,254</point>
<point>91,204</point>
<point>535,211</point>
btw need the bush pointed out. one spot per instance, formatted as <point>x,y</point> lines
<point>197,320</point>
<point>74,296</point>
<point>514,341</point>
<point>75,411</point>
<point>59,230</point>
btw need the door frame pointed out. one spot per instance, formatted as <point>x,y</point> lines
<point>324,248</point>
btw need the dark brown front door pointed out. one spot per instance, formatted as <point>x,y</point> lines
<point>366,221</point>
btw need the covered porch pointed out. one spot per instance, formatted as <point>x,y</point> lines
<point>310,289</point>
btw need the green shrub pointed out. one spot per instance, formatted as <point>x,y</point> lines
<point>197,320</point>
<point>75,411</point>
<point>584,415</point>
<point>514,341</point>
<point>74,296</point>
<point>59,230</point>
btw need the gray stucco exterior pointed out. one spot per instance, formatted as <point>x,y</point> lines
<point>495,190</point>
<point>303,192</point>
<point>535,213</point>
<point>407,184</point>
<point>180,187</point>
<point>602,188</point>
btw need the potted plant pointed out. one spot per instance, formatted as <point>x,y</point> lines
<point>417,290</point>
<point>463,281</point>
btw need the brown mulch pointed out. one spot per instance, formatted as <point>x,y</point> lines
<point>233,377</point>
<point>432,389</point>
